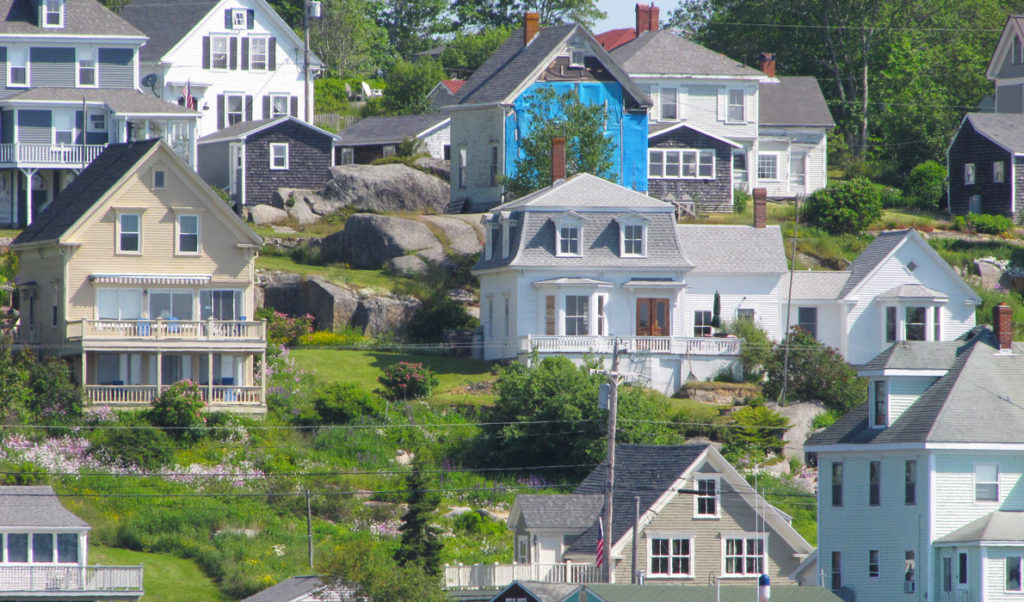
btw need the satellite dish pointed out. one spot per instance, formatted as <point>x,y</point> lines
<point>150,82</point>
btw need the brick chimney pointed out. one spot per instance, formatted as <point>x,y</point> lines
<point>760,207</point>
<point>643,18</point>
<point>1002,321</point>
<point>531,25</point>
<point>655,16</point>
<point>557,159</point>
<point>767,60</point>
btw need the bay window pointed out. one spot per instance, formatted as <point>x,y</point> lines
<point>913,323</point>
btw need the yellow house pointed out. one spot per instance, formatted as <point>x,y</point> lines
<point>142,276</point>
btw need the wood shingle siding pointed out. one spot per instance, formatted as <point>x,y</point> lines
<point>970,146</point>
<point>710,194</point>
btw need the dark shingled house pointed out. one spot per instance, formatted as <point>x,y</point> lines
<point>983,161</point>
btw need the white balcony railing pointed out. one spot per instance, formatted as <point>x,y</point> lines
<point>606,344</point>
<point>237,330</point>
<point>70,579</point>
<point>63,155</point>
<point>216,395</point>
<point>483,576</point>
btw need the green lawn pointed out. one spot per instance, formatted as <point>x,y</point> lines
<point>164,577</point>
<point>9,233</point>
<point>363,368</point>
<point>375,279</point>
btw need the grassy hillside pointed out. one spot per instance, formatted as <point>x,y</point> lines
<point>165,578</point>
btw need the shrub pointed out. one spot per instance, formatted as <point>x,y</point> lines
<point>825,419</point>
<point>816,372</point>
<point>283,329</point>
<point>925,186</point>
<point>756,351</point>
<point>845,207</point>
<point>758,432</point>
<point>54,397</point>
<point>475,523</point>
<point>438,314</point>
<point>147,448</point>
<point>989,224</point>
<point>326,338</point>
<point>893,198</point>
<point>23,473</point>
<point>405,380</point>
<point>740,200</point>
<point>178,409</point>
<point>341,403</point>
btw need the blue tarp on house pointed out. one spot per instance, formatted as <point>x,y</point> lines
<point>628,131</point>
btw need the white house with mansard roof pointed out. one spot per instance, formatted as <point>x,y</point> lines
<point>142,276</point>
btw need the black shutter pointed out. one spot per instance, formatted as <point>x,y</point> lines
<point>272,51</point>
<point>245,54</point>
<point>295,106</point>
<point>266,107</point>
<point>234,53</point>
<point>248,107</point>
<point>250,18</point>
<point>228,23</point>
<point>220,111</point>
<point>206,52</point>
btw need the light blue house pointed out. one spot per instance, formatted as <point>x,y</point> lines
<point>489,118</point>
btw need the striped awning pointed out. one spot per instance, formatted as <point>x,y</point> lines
<point>179,279</point>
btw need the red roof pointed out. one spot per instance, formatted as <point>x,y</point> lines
<point>453,85</point>
<point>614,38</point>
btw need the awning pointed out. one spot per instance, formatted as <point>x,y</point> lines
<point>194,279</point>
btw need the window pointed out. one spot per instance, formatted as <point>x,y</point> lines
<point>735,106</point>
<point>881,402</point>
<point>67,548</point>
<point>238,18</point>
<point>936,323</point>
<point>42,547</point>
<point>188,234</point>
<point>744,556</point>
<point>279,155</point>
<point>257,53</point>
<point>17,63</point>
<point>910,483</point>
<point>745,314</point>
<point>767,166</point>
<point>916,323</point>
<point>492,172</point>
<point>807,319</point>
<point>86,67</point>
<point>873,566</point>
<point>670,556</point>
<point>908,572</point>
<point>576,57</point>
<point>690,164</point>
<point>17,547</point>
<point>890,324</point>
<point>1013,572</point>
<point>119,304</point>
<point>837,571</point>
<point>986,483</point>
<point>961,575</point>
<point>388,150</point>
<point>656,164</point>
<point>278,105</point>
<point>875,483</point>
<point>129,233</point>
<point>706,164</point>
<point>568,240</point>
<point>219,52</point>
<point>997,172</point>
<point>968,174</point>
<point>170,305</point>
<point>348,156</point>
<point>669,104</point>
<point>63,127</point>
<point>97,122</point>
<point>707,497</point>
<point>220,304</point>
<point>702,323</point>
<point>798,169</point>
<point>53,13</point>
<point>947,574</point>
<point>633,240</point>
<point>602,320</point>
<point>462,168</point>
<point>234,108</point>
<point>576,310</point>
<point>159,178</point>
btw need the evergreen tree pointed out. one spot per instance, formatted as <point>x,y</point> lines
<point>421,544</point>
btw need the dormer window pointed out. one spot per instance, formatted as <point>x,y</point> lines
<point>568,232</point>
<point>633,236</point>
<point>880,395</point>
<point>238,18</point>
<point>913,323</point>
<point>53,13</point>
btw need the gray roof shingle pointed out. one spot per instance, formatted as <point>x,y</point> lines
<point>733,249</point>
<point>34,506</point>
<point>808,285</point>
<point>795,101</point>
<point>81,18</point>
<point>1000,525</point>
<point>915,355</point>
<point>912,291</point>
<point>1005,129</point>
<point>243,129</point>
<point>124,101</point>
<point>569,511</point>
<point>165,22</point>
<point>662,52</point>
<point>74,201</point>
<point>389,130</point>
<point>872,256</point>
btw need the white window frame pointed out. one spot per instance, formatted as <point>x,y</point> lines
<point>118,232</point>
<point>676,160</point>
<point>83,56</point>
<point>47,11</point>
<point>121,305</point>
<point>668,92</point>
<point>61,121</point>
<point>700,329</point>
<point>969,174</point>
<point>998,172</point>
<point>277,160</point>
<point>1020,573</point>
<point>577,56</point>
<point>798,178</point>
<point>274,99</point>
<point>17,58</point>
<point>227,108</point>
<point>629,222</point>
<point>730,105</point>
<point>100,126</point>
<point>348,155</point>
<point>744,556</point>
<point>29,552</point>
<point>462,167</point>
<point>774,156</point>
<point>239,19</point>
<point>671,538</point>
<point>932,321</point>
<point>179,233</point>
<point>265,62</point>
<point>569,223</point>
<point>716,498</point>
<point>583,306</point>
<point>975,482</point>
<point>227,55</point>
<point>872,485</point>
<point>600,301</point>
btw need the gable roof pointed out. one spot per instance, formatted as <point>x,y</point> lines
<point>509,67</point>
<point>1004,129</point>
<point>793,101</point>
<point>164,22</point>
<point>870,258</point>
<point>453,85</point>
<point>547,592</point>
<point>568,511</point>
<point>81,18</point>
<point>1014,27</point>
<point>613,38</point>
<point>34,506</point>
<point>390,130</point>
<point>997,526</point>
<point>244,129</point>
<point>662,52</point>
<point>660,128</point>
<point>733,249</point>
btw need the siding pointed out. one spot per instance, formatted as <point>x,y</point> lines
<point>904,391</point>
<point>710,194</point>
<point>309,161</point>
<point>1009,98</point>
<point>970,147</point>
<point>52,67</point>
<point>3,66</point>
<point>435,142</point>
<point>699,106</point>
<point>476,130</point>
<point>214,162</point>
<point>34,127</point>
<point>1007,68</point>
<point>955,479</point>
<point>995,574</point>
<point>116,68</point>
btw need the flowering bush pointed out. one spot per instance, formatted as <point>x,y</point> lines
<point>326,338</point>
<point>283,329</point>
<point>178,409</point>
<point>406,380</point>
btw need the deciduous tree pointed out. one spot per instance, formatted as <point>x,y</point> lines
<point>408,84</point>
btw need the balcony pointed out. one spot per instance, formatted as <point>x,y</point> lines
<point>48,155</point>
<point>85,582</point>
<point>142,395</point>
<point>633,344</point>
<point>488,576</point>
<point>94,333</point>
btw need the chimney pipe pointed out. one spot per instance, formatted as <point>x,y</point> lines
<point>767,60</point>
<point>531,25</point>
<point>1002,322</point>
<point>655,16</point>
<point>557,159</point>
<point>760,207</point>
<point>643,18</point>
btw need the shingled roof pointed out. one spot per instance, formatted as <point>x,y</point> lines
<point>1005,129</point>
<point>123,101</point>
<point>85,190</point>
<point>244,129</point>
<point>872,256</point>
<point>662,52</point>
<point>23,506</point>
<point>569,511</point>
<point>165,22</point>
<point>793,101</point>
<point>733,249</point>
<point>81,18</point>
<point>390,130</point>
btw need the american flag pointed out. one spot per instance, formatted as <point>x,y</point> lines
<point>190,101</point>
<point>600,541</point>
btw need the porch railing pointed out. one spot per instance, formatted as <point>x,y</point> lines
<point>606,344</point>
<point>70,578</point>
<point>483,576</point>
<point>217,395</point>
<point>252,330</point>
<point>49,154</point>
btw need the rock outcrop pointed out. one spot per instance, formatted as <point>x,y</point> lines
<point>383,188</point>
<point>462,238</point>
<point>370,241</point>
<point>265,215</point>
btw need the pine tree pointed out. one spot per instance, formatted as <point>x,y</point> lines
<point>420,542</point>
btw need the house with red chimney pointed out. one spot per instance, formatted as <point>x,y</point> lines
<point>717,124</point>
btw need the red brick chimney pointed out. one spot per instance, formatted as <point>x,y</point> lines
<point>643,18</point>
<point>557,159</point>
<point>767,60</point>
<point>1002,322</point>
<point>655,16</point>
<point>531,25</point>
<point>760,207</point>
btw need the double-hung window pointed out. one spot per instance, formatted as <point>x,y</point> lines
<point>874,566</point>
<point>881,395</point>
<point>909,565</point>
<point>17,67</point>
<point>744,556</point>
<point>188,234</point>
<point>875,483</point>
<point>577,309</point>
<point>86,67</point>
<point>910,483</point>
<point>837,484</point>
<point>986,482</point>
<point>837,570</point>
<point>278,155</point>
<point>916,323</point>
<point>278,105</point>
<point>234,108</point>
<point>669,104</point>
<point>492,172</point>
<point>53,13</point>
<point>671,557</point>
<point>968,174</point>
<point>997,172</point>
<point>807,320</point>
<point>63,128</point>
<point>219,52</point>
<point>767,166</point>
<point>706,501</point>
<point>735,110</point>
<point>257,53</point>
<point>1013,574</point>
<point>129,233</point>
<point>702,323</point>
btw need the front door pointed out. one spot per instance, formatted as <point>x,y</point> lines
<point>652,318</point>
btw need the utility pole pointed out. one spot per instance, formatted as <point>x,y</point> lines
<point>308,6</point>
<point>789,306</point>
<point>614,379</point>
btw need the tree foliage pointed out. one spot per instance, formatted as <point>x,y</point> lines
<point>816,373</point>
<point>845,207</point>
<point>348,39</point>
<point>481,14</point>
<point>925,186</point>
<point>756,351</point>
<point>421,543</point>
<point>467,51</point>
<point>551,115</point>
<point>364,566</point>
<point>758,432</point>
<point>408,84</point>
<point>411,25</point>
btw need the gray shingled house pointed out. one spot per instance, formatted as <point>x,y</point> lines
<point>377,137</point>
<point>982,164</point>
